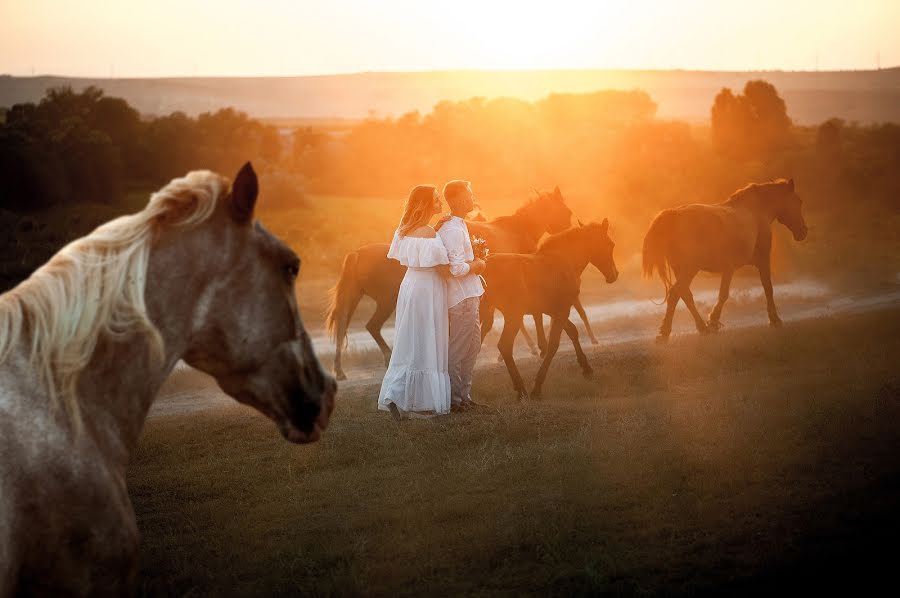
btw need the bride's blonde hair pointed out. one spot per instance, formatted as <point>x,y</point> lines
<point>417,210</point>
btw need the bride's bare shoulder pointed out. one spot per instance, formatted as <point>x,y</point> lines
<point>423,232</point>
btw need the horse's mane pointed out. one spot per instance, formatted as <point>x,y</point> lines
<point>95,286</point>
<point>527,205</point>
<point>753,189</point>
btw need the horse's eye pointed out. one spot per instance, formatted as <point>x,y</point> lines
<point>293,269</point>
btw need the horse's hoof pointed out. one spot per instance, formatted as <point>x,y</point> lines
<point>703,330</point>
<point>588,372</point>
<point>595,341</point>
<point>662,339</point>
<point>523,395</point>
<point>776,323</point>
<point>714,326</point>
<point>340,375</point>
<point>536,395</point>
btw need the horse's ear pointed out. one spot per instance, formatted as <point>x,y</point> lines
<point>605,225</point>
<point>557,192</point>
<point>243,193</point>
<point>791,183</point>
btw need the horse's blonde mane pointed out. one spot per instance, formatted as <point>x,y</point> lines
<point>753,188</point>
<point>95,286</point>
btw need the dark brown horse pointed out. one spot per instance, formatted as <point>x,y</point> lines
<point>720,238</point>
<point>545,282</point>
<point>368,271</point>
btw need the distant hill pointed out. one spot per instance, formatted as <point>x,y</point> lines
<point>863,96</point>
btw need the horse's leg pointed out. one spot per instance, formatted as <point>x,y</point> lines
<point>486,314</point>
<point>765,276</point>
<point>340,335</point>
<point>665,328</point>
<point>556,328</point>
<point>572,331</point>
<point>714,323</point>
<point>383,311</point>
<point>539,330</point>
<point>511,327</point>
<point>685,281</point>
<point>528,340</point>
<point>587,323</point>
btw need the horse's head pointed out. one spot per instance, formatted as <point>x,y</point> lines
<point>246,330</point>
<point>551,210</point>
<point>600,248</point>
<point>789,211</point>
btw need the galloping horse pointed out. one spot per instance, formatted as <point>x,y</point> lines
<point>368,271</point>
<point>720,238</point>
<point>546,282</point>
<point>87,341</point>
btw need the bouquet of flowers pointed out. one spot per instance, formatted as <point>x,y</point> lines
<point>480,248</point>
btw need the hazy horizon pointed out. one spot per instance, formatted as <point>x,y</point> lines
<point>96,39</point>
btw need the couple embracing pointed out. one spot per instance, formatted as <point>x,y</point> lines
<point>438,329</point>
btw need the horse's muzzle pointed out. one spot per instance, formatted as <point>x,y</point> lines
<point>306,431</point>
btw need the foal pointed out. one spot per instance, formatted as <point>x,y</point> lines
<point>546,282</point>
<point>720,238</point>
<point>87,341</point>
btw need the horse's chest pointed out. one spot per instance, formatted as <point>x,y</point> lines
<point>78,524</point>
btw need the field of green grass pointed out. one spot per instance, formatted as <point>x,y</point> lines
<point>754,461</point>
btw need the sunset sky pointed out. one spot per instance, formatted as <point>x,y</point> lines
<point>149,38</point>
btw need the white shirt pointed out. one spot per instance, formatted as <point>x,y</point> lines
<point>455,235</point>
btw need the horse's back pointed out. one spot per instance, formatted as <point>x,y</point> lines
<point>529,283</point>
<point>712,237</point>
<point>377,272</point>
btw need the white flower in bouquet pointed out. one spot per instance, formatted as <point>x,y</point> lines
<point>480,248</point>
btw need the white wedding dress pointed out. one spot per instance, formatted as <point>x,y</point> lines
<point>417,380</point>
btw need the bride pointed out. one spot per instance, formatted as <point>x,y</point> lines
<point>417,383</point>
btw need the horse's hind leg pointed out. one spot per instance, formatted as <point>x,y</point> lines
<point>383,311</point>
<point>556,328</point>
<point>587,323</point>
<point>572,331</point>
<point>511,327</point>
<point>665,328</point>
<point>688,298</point>
<point>340,337</point>
<point>714,322</point>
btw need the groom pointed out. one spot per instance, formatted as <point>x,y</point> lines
<point>464,292</point>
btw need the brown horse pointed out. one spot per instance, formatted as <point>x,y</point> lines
<point>87,341</point>
<point>720,238</point>
<point>368,271</point>
<point>545,282</point>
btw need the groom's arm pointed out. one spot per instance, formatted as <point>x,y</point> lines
<point>454,239</point>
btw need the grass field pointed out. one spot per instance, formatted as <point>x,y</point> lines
<point>754,461</point>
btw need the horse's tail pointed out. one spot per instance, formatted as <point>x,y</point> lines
<point>342,299</point>
<point>655,242</point>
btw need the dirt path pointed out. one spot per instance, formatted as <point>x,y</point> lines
<point>188,390</point>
